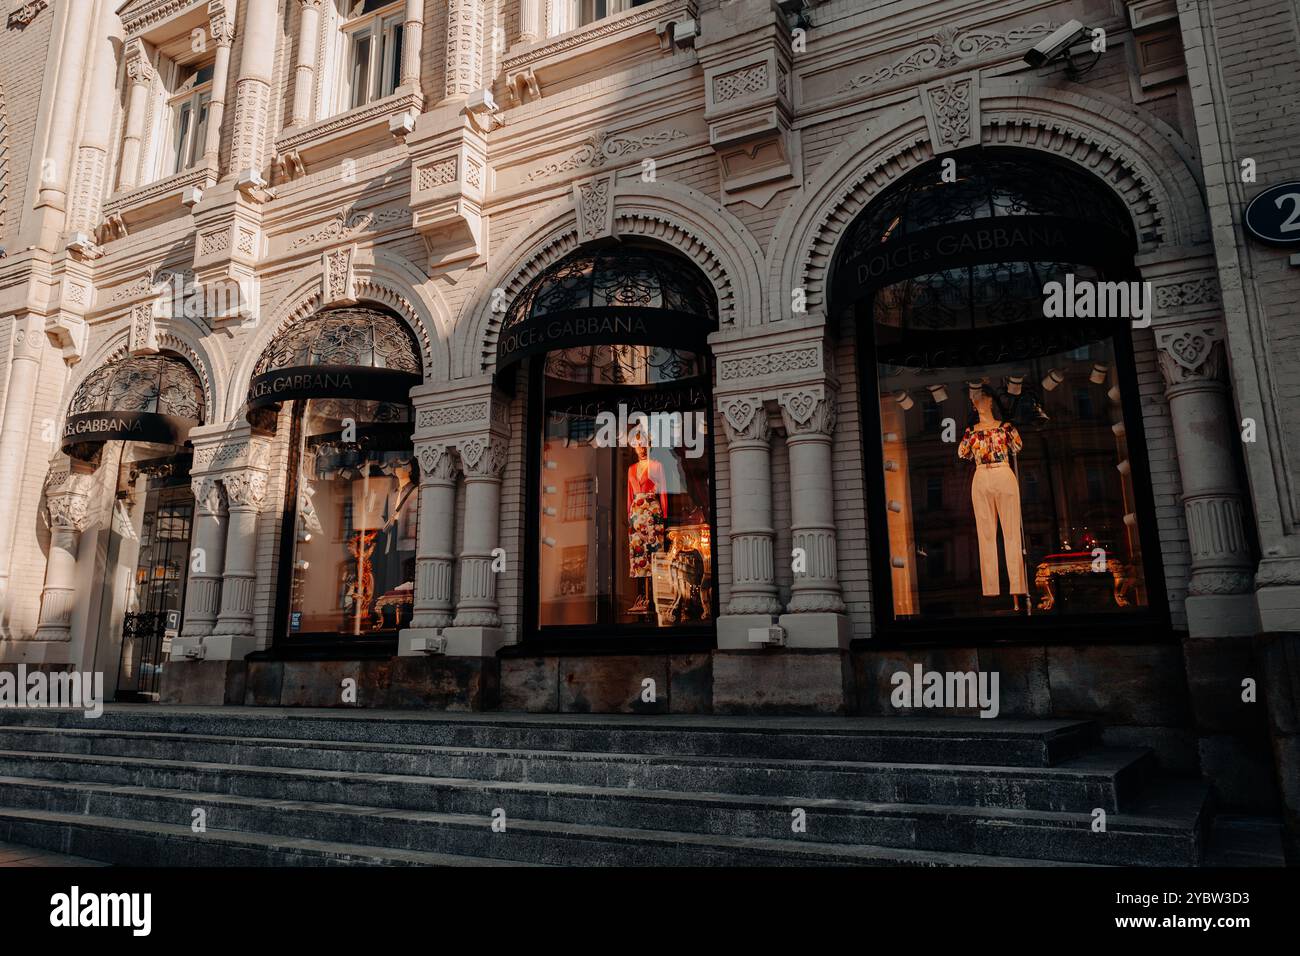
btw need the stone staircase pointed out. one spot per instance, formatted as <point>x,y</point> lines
<point>314,787</point>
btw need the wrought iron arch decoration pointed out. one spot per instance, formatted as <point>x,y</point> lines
<point>357,352</point>
<point>618,294</point>
<point>955,270</point>
<point>149,398</point>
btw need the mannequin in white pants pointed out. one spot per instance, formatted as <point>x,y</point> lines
<point>995,494</point>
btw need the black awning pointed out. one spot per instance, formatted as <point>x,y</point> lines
<point>147,398</point>
<point>622,294</point>
<point>360,353</point>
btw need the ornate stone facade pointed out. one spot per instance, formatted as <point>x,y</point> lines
<point>502,139</point>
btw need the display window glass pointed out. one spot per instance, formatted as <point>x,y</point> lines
<point>356,510</point>
<point>624,530</point>
<point>1010,483</point>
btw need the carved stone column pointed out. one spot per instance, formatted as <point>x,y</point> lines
<point>68,505</point>
<point>530,20</point>
<point>464,47</point>
<point>15,434</point>
<point>207,561</point>
<point>1221,593</point>
<point>753,600</point>
<point>435,544</point>
<point>412,45</point>
<point>140,71</point>
<point>92,154</point>
<point>233,635</point>
<point>305,69</point>
<point>64,110</point>
<point>253,91</point>
<point>814,615</point>
<point>221,25</point>
<point>476,629</point>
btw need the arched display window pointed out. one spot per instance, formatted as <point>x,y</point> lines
<point>620,498</point>
<point>1003,436</point>
<point>347,571</point>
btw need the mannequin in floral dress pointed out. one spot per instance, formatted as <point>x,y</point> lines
<point>991,443</point>
<point>647,511</point>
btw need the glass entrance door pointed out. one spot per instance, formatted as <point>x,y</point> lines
<point>158,584</point>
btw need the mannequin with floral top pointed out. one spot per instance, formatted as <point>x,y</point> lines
<point>991,444</point>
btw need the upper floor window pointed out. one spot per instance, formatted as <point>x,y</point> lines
<point>372,32</point>
<point>188,106</point>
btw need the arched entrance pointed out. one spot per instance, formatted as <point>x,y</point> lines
<point>1010,485</point>
<point>346,573</point>
<point>133,415</point>
<point>620,498</point>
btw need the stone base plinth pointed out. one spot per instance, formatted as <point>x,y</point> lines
<point>817,630</point>
<point>202,682</point>
<point>782,681</point>
<point>228,647</point>
<point>1222,615</point>
<point>608,684</point>
<point>733,629</point>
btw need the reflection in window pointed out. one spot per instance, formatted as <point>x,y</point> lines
<point>1045,506</point>
<point>373,30</point>
<point>357,504</point>
<point>624,534</point>
<point>189,111</point>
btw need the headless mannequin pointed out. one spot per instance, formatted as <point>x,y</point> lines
<point>982,402</point>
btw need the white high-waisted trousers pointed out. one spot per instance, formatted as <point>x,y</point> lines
<point>995,495</point>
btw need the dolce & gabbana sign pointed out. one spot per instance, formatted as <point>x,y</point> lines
<point>326,381</point>
<point>600,326</point>
<point>94,428</point>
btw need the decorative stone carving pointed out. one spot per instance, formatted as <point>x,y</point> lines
<point>68,505</point>
<point>452,414</point>
<point>1190,353</point>
<point>24,15</point>
<point>738,83</point>
<point>143,338</point>
<point>348,222</point>
<point>439,173</point>
<point>744,418</point>
<point>138,65</point>
<point>483,457</point>
<point>595,208</point>
<point>752,366</point>
<point>808,411</point>
<point>245,489</point>
<point>1199,291</point>
<point>207,494</point>
<point>438,462</point>
<point>338,285</point>
<point>603,147</point>
<point>221,26</point>
<point>952,107</point>
<point>464,46</point>
<point>946,48</point>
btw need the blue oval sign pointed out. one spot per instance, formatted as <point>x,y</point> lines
<point>1274,215</point>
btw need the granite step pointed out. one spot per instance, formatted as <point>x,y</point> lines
<point>1166,831</point>
<point>138,833</point>
<point>125,842</point>
<point>1027,743</point>
<point>310,770</point>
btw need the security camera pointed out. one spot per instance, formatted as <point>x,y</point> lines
<point>1054,44</point>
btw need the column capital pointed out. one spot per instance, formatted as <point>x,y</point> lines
<point>67,501</point>
<point>221,24</point>
<point>207,493</point>
<point>744,418</point>
<point>439,463</point>
<point>484,457</point>
<point>138,65</point>
<point>1191,354</point>
<point>809,411</point>
<point>245,489</point>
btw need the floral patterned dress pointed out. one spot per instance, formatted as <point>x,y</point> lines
<point>647,509</point>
